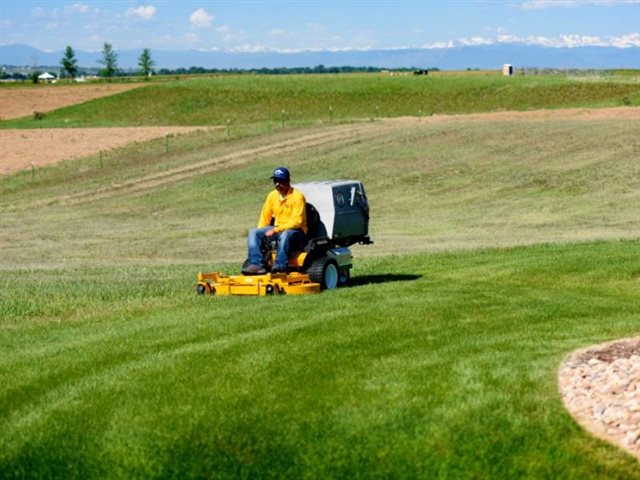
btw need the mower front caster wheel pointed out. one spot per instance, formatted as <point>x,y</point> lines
<point>201,289</point>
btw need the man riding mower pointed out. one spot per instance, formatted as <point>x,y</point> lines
<point>301,244</point>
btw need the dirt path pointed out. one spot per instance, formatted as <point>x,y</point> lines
<point>21,102</point>
<point>614,113</point>
<point>20,148</point>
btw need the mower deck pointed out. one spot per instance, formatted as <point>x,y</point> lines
<point>293,283</point>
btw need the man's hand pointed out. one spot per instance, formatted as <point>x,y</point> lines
<point>270,233</point>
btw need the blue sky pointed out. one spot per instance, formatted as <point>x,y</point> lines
<point>316,25</point>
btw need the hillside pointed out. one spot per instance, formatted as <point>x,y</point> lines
<point>461,183</point>
<point>293,99</point>
<point>503,242</point>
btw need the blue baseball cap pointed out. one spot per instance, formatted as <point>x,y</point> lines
<point>281,173</point>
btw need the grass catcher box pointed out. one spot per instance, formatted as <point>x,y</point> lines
<point>343,211</point>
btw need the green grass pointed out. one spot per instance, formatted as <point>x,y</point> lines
<point>431,366</point>
<point>500,248</point>
<point>249,99</point>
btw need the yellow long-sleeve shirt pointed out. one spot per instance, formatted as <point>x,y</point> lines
<point>289,212</point>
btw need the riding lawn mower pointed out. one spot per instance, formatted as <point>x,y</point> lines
<point>337,218</point>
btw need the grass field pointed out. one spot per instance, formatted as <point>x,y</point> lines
<point>313,98</point>
<point>501,246</point>
<point>431,366</point>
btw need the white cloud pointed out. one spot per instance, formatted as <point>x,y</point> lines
<point>79,8</point>
<point>276,32</point>
<point>475,41</point>
<point>65,13</point>
<point>544,4</point>
<point>572,41</point>
<point>201,19</point>
<point>630,40</point>
<point>448,44</point>
<point>144,13</point>
<point>561,41</point>
<point>246,48</point>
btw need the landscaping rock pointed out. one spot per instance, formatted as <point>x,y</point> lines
<point>600,387</point>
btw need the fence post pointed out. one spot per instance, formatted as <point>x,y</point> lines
<point>283,113</point>
<point>166,143</point>
<point>330,114</point>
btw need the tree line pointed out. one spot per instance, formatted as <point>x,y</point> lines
<point>109,62</point>
<point>284,70</point>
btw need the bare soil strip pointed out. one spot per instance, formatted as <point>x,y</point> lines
<point>600,386</point>
<point>21,102</point>
<point>586,114</point>
<point>20,148</point>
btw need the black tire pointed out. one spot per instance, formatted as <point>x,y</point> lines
<point>201,289</point>
<point>324,271</point>
<point>344,275</point>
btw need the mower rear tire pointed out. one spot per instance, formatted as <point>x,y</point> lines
<point>324,271</point>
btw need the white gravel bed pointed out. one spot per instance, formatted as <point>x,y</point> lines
<point>600,387</point>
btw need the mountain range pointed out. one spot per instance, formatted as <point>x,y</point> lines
<point>457,58</point>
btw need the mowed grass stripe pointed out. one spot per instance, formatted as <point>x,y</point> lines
<point>449,370</point>
<point>68,385</point>
<point>432,186</point>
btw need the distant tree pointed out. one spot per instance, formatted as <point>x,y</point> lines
<point>69,62</point>
<point>34,76</point>
<point>145,62</point>
<point>109,61</point>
